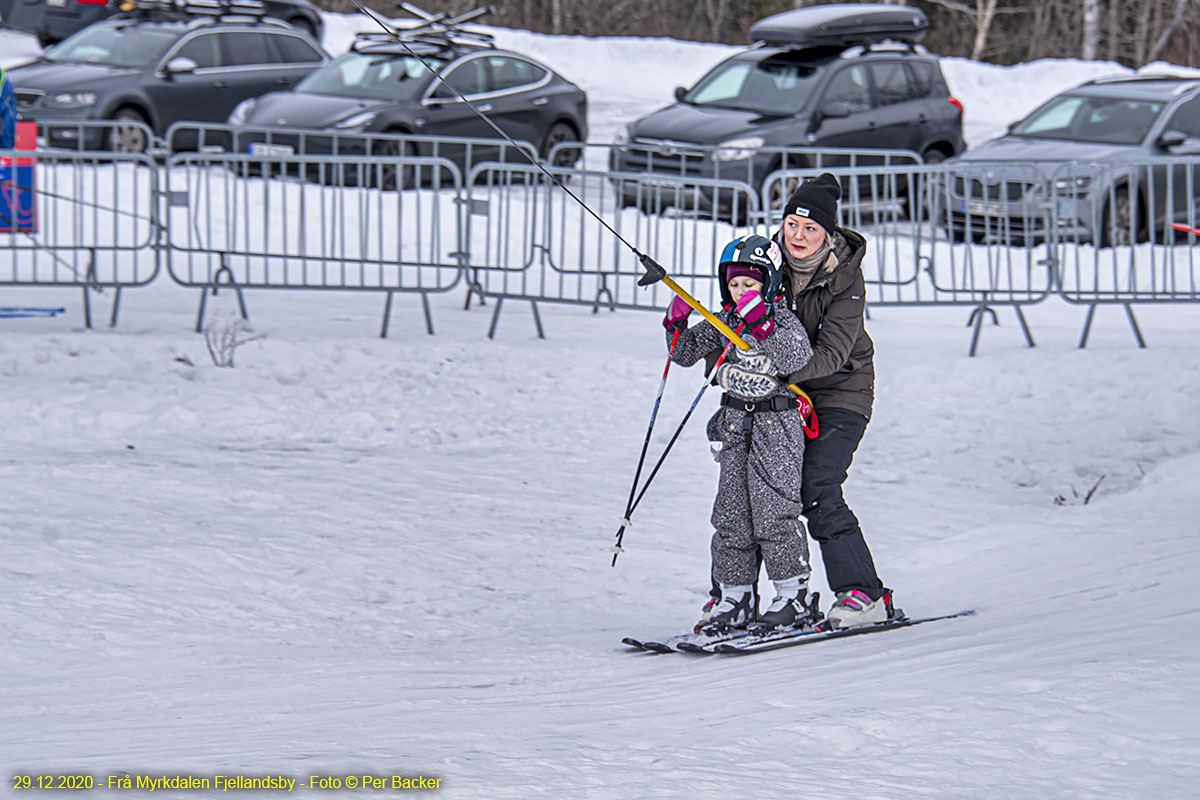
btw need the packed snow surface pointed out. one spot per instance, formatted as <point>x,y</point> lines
<point>350,555</point>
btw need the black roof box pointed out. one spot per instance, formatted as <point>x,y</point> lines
<point>843,25</point>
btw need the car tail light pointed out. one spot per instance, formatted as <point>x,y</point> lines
<point>954,101</point>
<point>92,2</point>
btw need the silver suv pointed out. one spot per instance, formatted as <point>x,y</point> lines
<point>1099,163</point>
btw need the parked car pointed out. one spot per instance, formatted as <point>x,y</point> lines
<point>1105,125</point>
<point>821,77</point>
<point>158,67</point>
<point>54,20</point>
<point>383,86</point>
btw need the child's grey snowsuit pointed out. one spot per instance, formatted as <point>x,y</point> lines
<point>758,501</point>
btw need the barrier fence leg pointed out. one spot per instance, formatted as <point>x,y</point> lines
<point>976,319</point>
<point>87,309</point>
<point>1024,325</point>
<point>428,313</point>
<point>1087,326</point>
<point>216,284</point>
<point>112,322</point>
<point>537,319</point>
<point>1137,333</point>
<point>495,317</point>
<point>387,315</point>
<point>89,282</point>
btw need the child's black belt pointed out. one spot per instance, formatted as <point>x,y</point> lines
<point>750,406</point>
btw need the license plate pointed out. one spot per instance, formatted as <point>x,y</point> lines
<point>56,3</point>
<point>986,209</point>
<point>263,149</point>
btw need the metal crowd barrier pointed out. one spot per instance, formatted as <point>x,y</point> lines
<point>1126,233</point>
<point>921,252</point>
<point>527,239</point>
<point>270,142</point>
<point>79,220</point>
<point>755,167</point>
<point>329,224</point>
<point>99,136</point>
<point>969,234</point>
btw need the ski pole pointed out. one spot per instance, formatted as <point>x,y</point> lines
<point>655,273</point>
<point>645,444</point>
<point>662,458</point>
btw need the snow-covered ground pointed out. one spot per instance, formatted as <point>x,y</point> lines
<point>349,555</point>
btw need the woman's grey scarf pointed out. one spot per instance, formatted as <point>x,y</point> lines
<point>803,269</point>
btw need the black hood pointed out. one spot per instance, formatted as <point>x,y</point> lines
<point>304,110</point>
<point>705,124</point>
<point>53,76</point>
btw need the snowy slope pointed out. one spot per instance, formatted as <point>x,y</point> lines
<point>353,555</point>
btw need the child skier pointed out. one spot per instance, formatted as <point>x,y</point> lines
<point>758,440</point>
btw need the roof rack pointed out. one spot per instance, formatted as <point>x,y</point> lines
<point>885,46</point>
<point>1162,76</point>
<point>188,9</point>
<point>435,32</point>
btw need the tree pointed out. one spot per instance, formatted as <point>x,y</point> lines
<point>1091,30</point>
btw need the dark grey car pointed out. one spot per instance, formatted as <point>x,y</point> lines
<point>157,70</point>
<point>818,79</point>
<point>381,87</point>
<point>54,20</point>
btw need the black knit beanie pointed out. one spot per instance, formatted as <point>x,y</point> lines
<point>817,199</point>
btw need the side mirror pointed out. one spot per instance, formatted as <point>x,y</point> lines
<point>679,93</point>
<point>1172,138</point>
<point>836,109</point>
<point>181,66</point>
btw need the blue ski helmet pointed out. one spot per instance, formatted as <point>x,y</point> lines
<point>758,252</point>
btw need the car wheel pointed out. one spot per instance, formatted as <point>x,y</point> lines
<point>566,157</point>
<point>780,192</point>
<point>385,174</point>
<point>131,136</point>
<point>1121,222</point>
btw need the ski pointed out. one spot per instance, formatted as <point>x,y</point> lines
<point>810,635</point>
<point>664,646</point>
<point>684,642</point>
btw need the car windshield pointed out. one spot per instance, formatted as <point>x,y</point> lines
<point>391,77</point>
<point>1101,120</point>
<point>780,84</point>
<point>117,46</point>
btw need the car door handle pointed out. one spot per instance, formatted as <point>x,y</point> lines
<point>222,84</point>
<point>485,107</point>
<point>540,101</point>
<point>284,81</point>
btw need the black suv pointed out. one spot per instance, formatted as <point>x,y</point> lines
<point>819,77</point>
<point>157,66</point>
<point>54,20</point>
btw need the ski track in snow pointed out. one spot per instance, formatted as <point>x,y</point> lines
<point>392,556</point>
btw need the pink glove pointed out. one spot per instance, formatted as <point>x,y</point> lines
<point>677,315</point>
<point>757,313</point>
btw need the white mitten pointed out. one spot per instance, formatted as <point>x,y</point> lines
<point>746,380</point>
